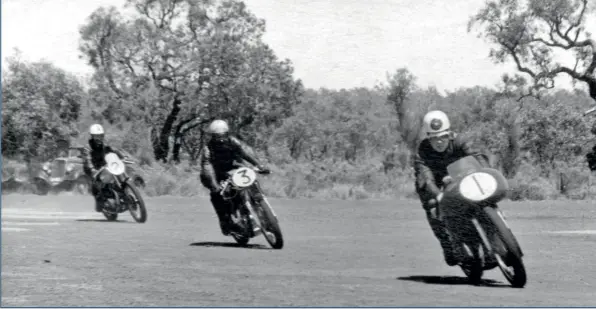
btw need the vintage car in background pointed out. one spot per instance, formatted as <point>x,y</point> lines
<point>65,173</point>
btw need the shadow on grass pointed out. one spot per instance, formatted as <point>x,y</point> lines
<point>228,245</point>
<point>453,280</point>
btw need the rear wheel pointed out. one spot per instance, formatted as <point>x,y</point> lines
<point>472,265</point>
<point>507,250</point>
<point>135,203</point>
<point>241,239</point>
<point>109,215</point>
<point>241,222</point>
<point>241,236</point>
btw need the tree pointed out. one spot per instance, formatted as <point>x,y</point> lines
<point>536,32</point>
<point>40,106</point>
<point>551,134</point>
<point>199,59</point>
<point>401,85</point>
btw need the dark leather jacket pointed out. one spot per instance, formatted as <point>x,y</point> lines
<point>430,166</point>
<point>94,156</point>
<point>219,158</point>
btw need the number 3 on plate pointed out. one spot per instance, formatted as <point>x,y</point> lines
<point>244,176</point>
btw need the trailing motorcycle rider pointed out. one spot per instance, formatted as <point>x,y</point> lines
<point>218,157</point>
<point>436,151</point>
<point>94,160</point>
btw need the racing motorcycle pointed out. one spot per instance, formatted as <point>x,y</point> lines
<point>118,190</point>
<point>476,224</point>
<point>250,216</point>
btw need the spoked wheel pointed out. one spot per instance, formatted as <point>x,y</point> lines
<point>110,215</point>
<point>507,251</point>
<point>472,266</point>
<point>241,225</point>
<point>135,202</point>
<point>270,225</point>
<point>241,239</point>
<point>242,233</point>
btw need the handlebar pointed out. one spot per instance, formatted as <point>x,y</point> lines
<point>124,160</point>
<point>98,172</point>
<point>591,110</point>
<point>226,183</point>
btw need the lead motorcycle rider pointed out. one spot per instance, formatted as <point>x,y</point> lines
<point>94,160</point>
<point>219,155</point>
<point>436,151</point>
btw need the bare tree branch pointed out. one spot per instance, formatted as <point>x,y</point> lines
<point>578,21</point>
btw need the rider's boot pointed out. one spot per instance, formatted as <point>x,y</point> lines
<point>225,222</point>
<point>97,205</point>
<point>451,254</point>
<point>97,196</point>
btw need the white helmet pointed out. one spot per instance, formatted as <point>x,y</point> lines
<point>96,129</point>
<point>218,127</point>
<point>436,123</point>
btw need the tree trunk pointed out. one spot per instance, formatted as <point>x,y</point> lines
<point>161,145</point>
<point>592,88</point>
<point>181,129</point>
<point>511,157</point>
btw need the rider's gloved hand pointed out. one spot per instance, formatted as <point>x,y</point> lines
<point>263,169</point>
<point>217,188</point>
<point>433,213</point>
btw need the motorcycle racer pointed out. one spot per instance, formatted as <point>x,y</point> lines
<point>94,160</point>
<point>218,157</point>
<point>439,148</point>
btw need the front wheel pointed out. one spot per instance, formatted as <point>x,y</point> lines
<point>135,203</point>
<point>507,252</point>
<point>270,224</point>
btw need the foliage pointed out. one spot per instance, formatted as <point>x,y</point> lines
<point>40,106</point>
<point>165,68</point>
<point>175,64</point>
<point>534,33</point>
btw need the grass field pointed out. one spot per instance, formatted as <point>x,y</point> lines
<point>56,251</point>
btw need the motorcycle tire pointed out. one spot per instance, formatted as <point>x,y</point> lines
<point>137,211</point>
<point>473,267</point>
<point>513,258</point>
<point>241,239</point>
<point>242,233</point>
<point>272,231</point>
<point>110,216</point>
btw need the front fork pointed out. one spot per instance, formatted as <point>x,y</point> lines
<point>255,221</point>
<point>485,235</point>
<point>463,235</point>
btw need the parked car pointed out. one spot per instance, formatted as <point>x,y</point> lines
<point>65,173</point>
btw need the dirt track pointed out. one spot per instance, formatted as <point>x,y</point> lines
<point>56,251</point>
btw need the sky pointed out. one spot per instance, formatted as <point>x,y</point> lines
<point>332,43</point>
